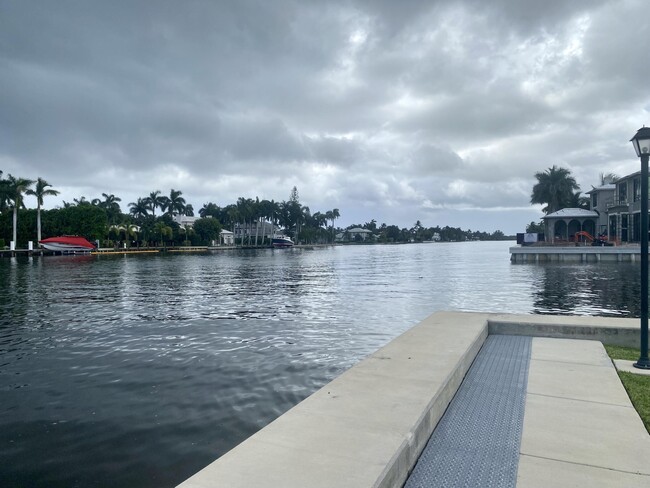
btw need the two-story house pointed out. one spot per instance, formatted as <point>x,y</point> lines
<point>614,211</point>
<point>624,213</point>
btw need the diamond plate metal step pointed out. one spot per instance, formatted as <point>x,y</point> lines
<point>476,443</point>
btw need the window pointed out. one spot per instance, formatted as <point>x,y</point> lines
<point>622,192</point>
<point>637,189</point>
<point>594,200</point>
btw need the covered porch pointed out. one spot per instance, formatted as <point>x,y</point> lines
<point>563,225</point>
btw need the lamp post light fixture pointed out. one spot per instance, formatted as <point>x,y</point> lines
<point>641,142</point>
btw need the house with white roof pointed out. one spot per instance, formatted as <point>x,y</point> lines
<point>354,234</point>
<point>563,224</point>
<point>227,238</point>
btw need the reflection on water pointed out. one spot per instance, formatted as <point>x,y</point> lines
<point>140,370</point>
<point>607,289</point>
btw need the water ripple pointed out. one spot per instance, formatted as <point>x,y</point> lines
<point>140,370</point>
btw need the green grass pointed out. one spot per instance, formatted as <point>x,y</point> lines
<point>620,352</point>
<point>638,389</point>
<point>636,385</point>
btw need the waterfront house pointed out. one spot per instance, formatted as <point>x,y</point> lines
<point>185,221</point>
<point>601,199</point>
<point>354,234</point>
<point>562,225</point>
<point>614,211</point>
<point>359,233</point>
<point>227,238</point>
<point>261,229</point>
<point>624,213</point>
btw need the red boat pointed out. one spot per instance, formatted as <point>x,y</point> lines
<point>67,244</point>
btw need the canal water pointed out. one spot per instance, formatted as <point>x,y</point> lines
<point>137,371</point>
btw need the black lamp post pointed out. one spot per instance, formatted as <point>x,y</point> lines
<point>641,143</point>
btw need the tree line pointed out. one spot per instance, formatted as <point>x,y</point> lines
<point>102,218</point>
<point>418,233</point>
<point>150,220</point>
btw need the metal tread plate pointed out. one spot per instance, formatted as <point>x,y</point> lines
<point>476,443</point>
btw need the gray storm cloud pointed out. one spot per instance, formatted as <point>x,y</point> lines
<point>396,111</point>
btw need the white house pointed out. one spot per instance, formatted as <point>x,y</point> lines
<point>185,221</point>
<point>227,238</point>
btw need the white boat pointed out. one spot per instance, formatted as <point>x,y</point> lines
<point>67,244</point>
<point>282,241</point>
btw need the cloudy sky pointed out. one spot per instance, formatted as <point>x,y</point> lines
<point>438,110</point>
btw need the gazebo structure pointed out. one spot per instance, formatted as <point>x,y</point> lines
<point>563,224</point>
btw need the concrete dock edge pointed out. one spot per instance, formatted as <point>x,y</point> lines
<point>608,330</point>
<point>367,427</point>
<point>399,467</point>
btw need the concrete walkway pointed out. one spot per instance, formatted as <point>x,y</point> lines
<point>628,367</point>
<point>580,428</point>
<point>368,427</point>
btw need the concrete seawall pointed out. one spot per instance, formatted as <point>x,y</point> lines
<point>574,254</point>
<point>368,427</point>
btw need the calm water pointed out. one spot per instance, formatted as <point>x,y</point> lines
<point>137,371</point>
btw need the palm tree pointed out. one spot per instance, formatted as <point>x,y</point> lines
<point>175,204</point>
<point>110,201</point>
<point>555,187</point>
<point>372,225</point>
<point>607,178</point>
<point>40,191</point>
<point>209,209</point>
<point>320,220</point>
<point>156,200</point>
<point>332,215</point>
<point>230,214</point>
<point>83,201</point>
<point>189,210</point>
<point>245,213</point>
<point>17,187</point>
<point>416,231</point>
<point>335,215</point>
<point>129,230</point>
<point>163,230</point>
<point>269,211</point>
<point>579,201</point>
<point>303,217</point>
<point>284,216</point>
<point>139,209</point>
<point>4,194</point>
<point>125,230</point>
<point>112,207</point>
